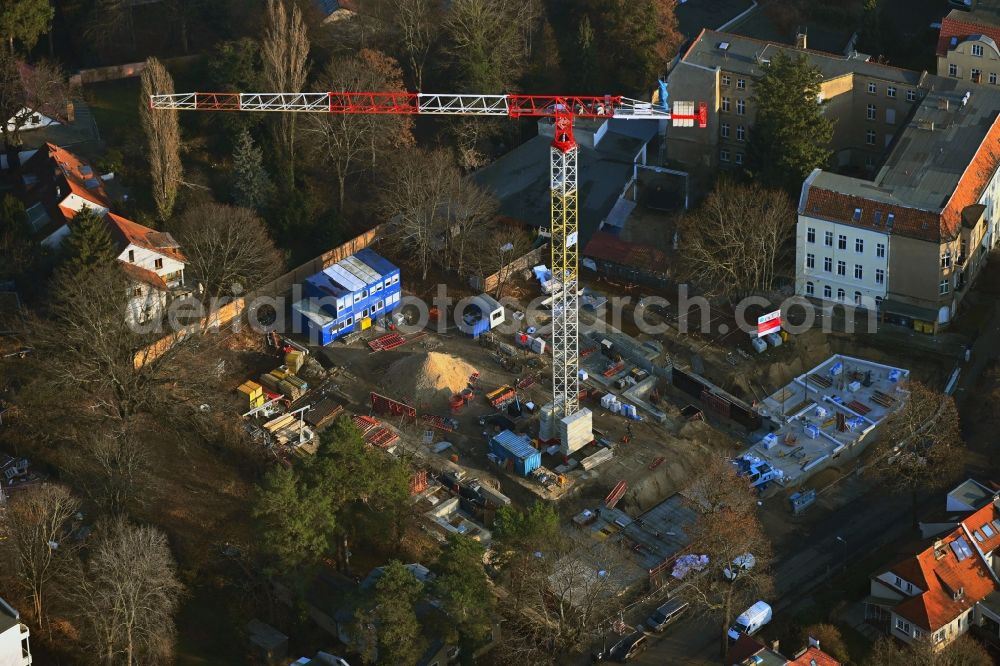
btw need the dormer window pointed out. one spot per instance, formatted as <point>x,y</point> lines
<point>131,256</point>
<point>857,214</point>
<point>977,50</point>
<point>958,594</point>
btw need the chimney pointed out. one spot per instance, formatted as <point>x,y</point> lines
<point>70,113</point>
<point>775,644</point>
<point>925,125</point>
<point>942,104</point>
<point>801,37</point>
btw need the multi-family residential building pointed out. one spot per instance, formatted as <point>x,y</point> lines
<point>14,648</point>
<point>945,589</point>
<point>868,101</point>
<point>967,44</point>
<point>910,240</point>
<point>55,185</point>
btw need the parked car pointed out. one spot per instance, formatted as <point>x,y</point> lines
<point>666,614</point>
<point>624,650</point>
<point>744,562</point>
<point>750,621</point>
<point>967,5</point>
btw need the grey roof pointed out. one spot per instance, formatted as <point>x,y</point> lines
<point>520,179</point>
<point>972,493</point>
<point>8,616</point>
<point>925,165</point>
<point>987,12</point>
<point>746,55</point>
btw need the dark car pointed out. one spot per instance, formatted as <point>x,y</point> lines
<point>666,614</point>
<point>625,649</point>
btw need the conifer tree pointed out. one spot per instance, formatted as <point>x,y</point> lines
<point>252,186</point>
<point>89,244</point>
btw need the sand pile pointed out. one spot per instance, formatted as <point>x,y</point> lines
<point>427,378</point>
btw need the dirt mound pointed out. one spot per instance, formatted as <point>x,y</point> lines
<point>427,378</point>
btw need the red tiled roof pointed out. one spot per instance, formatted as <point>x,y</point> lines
<point>143,275</point>
<point>813,657</point>
<point>52,164</point>
<point>953,25</point>
<point>840,207</point>
<point>129,232</point>
<point>940,578</point>
<point>609,247</point>
<point>973,181</point>
<point>984,517</point>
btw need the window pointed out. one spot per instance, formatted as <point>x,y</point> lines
<point>944,287</point>
<point>810,289</point>
<point>952,69</point>
<point>842,240</point>
<point>976,75</point>
<point>827,292</point>
<point>871,112</point>
<point>890,219</point>
<point>811,234</point>
<point>741,107</point>
<point>909,587</point>
<point>903,626</point>
<point>841,295</point>
<point>993,78</point>
<point>858,272</point>
<point>725,104</point>
<point>364,313</point>
<point>857,298</point>
<point>131,256</point>
<point>879,276</point>
<point>741,133</point>
<point>137,292</point>
<point>724,155</point>
<point>878,217</point>
<point>890,91</point>
<point>395,279</point>
<point>725,79</point>
<point>828,264</point>
<point>828,239</point>
<point>977,50</point>
<point>870,137</point>
<point>859,245</point>
<point>810,261</point>
<point>946,259</point>
<point>911,95</point>
<point>724,130</point>
<point>741,84</point>
<point>739,158</point>
<point>880,250</point>
<point>158,264</point>
<point>898,582</point>
<point>890,116</point>
<point>842,268</point>
<point>872,88</point>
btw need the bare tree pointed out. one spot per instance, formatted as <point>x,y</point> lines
<point>126,594</point>
<point>284,51</point>
<point>963,651</point>
<point>490,40</point>
<point>920,446</point>
<point>163,138</point>
<point>418,26</point>
<point>727,529</point>
<point>226,246</point>
<point>37,520</point>
<point>344,141</point>
<point>494,249</point>
<point>734,242</point>
<point>110,22</point>
<point>26,90</point>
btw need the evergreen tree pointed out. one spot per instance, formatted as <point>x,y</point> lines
<point>463,588</point>
<point>296,522</point>
<point>790,136</point>
<point>16,245</point>
<point>399,633</point>
<point>89,244</point>
<point>251,185</point>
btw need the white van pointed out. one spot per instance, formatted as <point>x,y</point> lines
<point>750,621</point>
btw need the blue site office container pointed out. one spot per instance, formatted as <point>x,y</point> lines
<point>511,446</point>
<point>341,297</point>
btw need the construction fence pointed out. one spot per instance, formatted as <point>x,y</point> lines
<point>528,260</point>
<point>277,287</point>
<point>124,71</point>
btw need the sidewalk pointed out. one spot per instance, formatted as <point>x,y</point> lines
<point>984,352</point>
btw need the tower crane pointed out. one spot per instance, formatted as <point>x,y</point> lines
<point>562,109</point>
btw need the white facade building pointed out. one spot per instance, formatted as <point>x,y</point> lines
<point>14,648</point>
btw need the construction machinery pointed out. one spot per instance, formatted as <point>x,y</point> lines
<point>562,110</point>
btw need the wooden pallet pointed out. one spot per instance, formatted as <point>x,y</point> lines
<point>883,399</point>
<point>859,407</point>
<point>821,381</point>
<point>526,382</point>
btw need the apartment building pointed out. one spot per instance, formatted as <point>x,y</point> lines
<point>910,240</point>
<point>868,102</point>
<point>967,44</point>
<point>14,648</point>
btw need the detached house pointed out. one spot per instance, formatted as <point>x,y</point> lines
<point>55,185</point>
<point>945,589</point>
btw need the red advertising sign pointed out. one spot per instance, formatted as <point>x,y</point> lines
<point>769,323</point>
